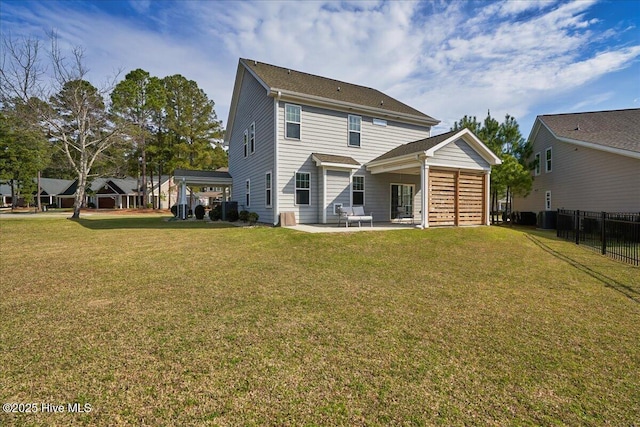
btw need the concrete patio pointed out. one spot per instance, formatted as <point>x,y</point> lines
<point>334,228</point>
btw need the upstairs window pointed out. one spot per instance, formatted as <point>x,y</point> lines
<point>303,188</point>
<point>537,161</point>
<point>244,143</point>
<point>292,121</point>
<point>252,137</point>
<point>355,123</point>
<point>357,191</point>
<point>548,160</point>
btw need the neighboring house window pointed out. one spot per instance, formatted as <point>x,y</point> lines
<point>244,141</point>
<point>547,200</point>
<point>292,121</point>
<point>355,123</point>
<point>248,194</point>
<point>548,160</point>
<point>303,188</point>
<point>267,186</point>
<point>537,164</point>
<point>252,137</point>
<point>357,191</point>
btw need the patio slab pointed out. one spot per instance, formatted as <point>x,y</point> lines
<point>334,228</point>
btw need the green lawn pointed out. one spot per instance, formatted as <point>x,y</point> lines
<point>170,323</point>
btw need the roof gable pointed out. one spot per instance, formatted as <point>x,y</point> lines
<point>429,146</point>
<point>616,130</point>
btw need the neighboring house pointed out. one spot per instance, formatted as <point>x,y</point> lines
<point>307,144</point>
<point>586,161</point>
<point>50,188</point>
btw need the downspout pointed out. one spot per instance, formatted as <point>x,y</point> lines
<point>274,180</point>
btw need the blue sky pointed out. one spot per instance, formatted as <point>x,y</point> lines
<point>445,58</point>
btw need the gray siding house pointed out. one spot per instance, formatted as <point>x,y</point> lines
<point>307,144</point>
<point>586,161</point>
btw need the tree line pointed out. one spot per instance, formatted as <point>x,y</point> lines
<point>513,176</point>
<point>54,121</point>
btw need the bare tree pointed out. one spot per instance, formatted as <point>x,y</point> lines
<point>68,108</point>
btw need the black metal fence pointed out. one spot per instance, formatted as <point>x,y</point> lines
<point>614,234</point>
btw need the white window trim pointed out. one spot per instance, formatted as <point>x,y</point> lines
<point>548,169</point>
<point>538,167</point>
<point>364,186</point>
<point>247,197</point>
<point>252,137</point>
<point>547,200</point>
<point>268,201</point>
<point>295,194</point>
<point>355,131</point>
<point>245,141</point>
<point>286,136</point>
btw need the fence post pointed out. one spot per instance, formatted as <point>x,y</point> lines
<point>558,222</point>
<point>603,233</point>
<point>577,225</point>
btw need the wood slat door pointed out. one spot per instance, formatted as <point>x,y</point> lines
<point>442,197</point>
<point>456,198</point>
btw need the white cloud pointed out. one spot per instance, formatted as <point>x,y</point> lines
<point>447,59</point>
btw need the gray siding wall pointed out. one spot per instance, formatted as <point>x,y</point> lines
<point>338,191</point>
<point>254,105</point>
<point>582,178</point>
<point>458,154</point>
<point>326,131</point>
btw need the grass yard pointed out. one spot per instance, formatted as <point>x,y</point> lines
<point>169,323</point>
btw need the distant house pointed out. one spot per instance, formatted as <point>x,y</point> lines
<point>307,144</point>
<point>587,161</point>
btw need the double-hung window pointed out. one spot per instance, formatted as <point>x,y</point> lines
<point>355,125</point>
<point>357,191</point>
<point>267,186</point>
<point>548,160</point>
<point>292,121</point>
<point>303,188</point>
<point>245,139</point>
<point>252,137</point>
<point>248,193</point>
<point>537,160</point>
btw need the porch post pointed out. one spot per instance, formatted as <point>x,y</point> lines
<point>487,198</point>
<point>424,189</point>
<point>324,195</point>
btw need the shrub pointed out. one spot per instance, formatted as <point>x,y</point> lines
<point>215,214</point>
<point>91,205</point>
<point>232,215</point>
<point>252,217</point>
<point>174,210</point>
<point>199,212</point>
<point>243,216</point>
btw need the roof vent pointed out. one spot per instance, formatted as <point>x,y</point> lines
<point>338,88</point>
<point>288,71</point>
<point>382,102</point>
<point>577,127</point>
<point>255,62</point>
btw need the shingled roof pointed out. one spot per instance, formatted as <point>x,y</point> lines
<point>285,79</point>
<point>618,129</point>
<point>419,146</point>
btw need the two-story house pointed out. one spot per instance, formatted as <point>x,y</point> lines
<point>587,161</point>
<point>308,144</point>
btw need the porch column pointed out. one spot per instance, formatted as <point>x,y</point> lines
<point>487,198</point>
<point>324,195</point>
<point>424,189</point>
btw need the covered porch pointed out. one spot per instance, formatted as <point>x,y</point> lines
<point>454,169</point>
<point>186,179</point>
